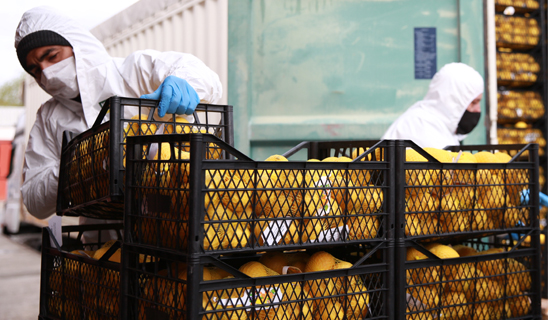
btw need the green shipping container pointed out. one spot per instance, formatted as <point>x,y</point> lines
<point>340,69</point>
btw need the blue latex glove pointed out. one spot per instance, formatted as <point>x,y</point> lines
<point>543,198</point>
<point>175,95</point>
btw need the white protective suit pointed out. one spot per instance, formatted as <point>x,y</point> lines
<point>99,77</point>
<point>432,122</point>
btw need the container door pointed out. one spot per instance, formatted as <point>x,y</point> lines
<point>340,70</point>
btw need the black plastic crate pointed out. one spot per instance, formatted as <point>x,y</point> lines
<point>189,203</point>
<point>73,285</point>
<point>323,149</point>
<point>502,282</point>
<point>221,288</point>
<point>91,177</point>
<point>464,199</point>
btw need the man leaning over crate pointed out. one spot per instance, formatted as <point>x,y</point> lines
<point>71,65</point>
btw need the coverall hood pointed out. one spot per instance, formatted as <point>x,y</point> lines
<point>432,122</point>
<point>91,58</point>
<point>99,77</point>
<point>451,91</point>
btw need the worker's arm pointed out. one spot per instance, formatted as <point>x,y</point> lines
<point>41,171</point>
<point>145,71</point>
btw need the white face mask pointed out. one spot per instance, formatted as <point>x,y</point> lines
<point>59,79</point>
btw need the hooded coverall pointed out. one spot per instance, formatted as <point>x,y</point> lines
<point>432,122</point>
<point>99,77</point>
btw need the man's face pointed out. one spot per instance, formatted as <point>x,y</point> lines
<point>474,105</point>
<point>40,58</point>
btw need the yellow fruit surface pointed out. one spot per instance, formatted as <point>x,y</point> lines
<point>344,159</point>
<point>330,159</point>
<point>412,155</point>
<point>362,227</point>
<point>278,233</point>
<point>329,309</point>
<point>356,302</point>
<point>521,125</point>
<point>484,311</point>
<point>358,151</point>
<point>321,261</point>
<point>169,128</point>
<point>465,157</point>
<point>255,269</point>
<point>441,155</point>
<point>274,260</point>
<point>485,157</point>
<point>463,274</point>
<point>134,129</point>
<point>454,306</point>
<point>417,178</point>
<point>276,157</point>
<point>418,224</point>
<point>464,251</point>
<point>502,157</point>
<point>443,251</point>
<point>413,254</point>
<point>519,306</point>
<point>427,294</point>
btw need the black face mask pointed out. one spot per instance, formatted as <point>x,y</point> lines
<point>468,122</point>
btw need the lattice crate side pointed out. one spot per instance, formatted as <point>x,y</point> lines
<point>93,185</point>
<point>73,284</point>
<point>165,291</point>
<point>248,205</point>
<point>490,283</point>
<point>464,199</point>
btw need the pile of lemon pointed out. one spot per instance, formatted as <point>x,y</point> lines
<point>334,298</point>
<point>452,201</point>
<point>289,206</point>
<point>76,283</point>
<point>491,289</point>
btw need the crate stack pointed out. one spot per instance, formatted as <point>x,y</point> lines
<point>522,75</point>
<point>232,238</point>
<point>81,281</point>
<point>360,229</point>
<point>81,278</point>
<point>454,208</point>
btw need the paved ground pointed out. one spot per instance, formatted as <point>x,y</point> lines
<point>19,278</point>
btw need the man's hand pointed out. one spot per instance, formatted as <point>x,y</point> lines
<point>175,95</point>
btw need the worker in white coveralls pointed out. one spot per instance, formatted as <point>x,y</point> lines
<point>70,64</point>
<point>449,111</point>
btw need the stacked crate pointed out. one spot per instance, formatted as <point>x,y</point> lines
<point>451,213</point>
<point>91,176</point>
<point>232,238</point>
<point>442,201</point>
<point>81,281</point>
<point>347,234</point>
<point>78,282</point>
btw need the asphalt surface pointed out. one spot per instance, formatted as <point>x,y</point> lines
<point>19,276</point>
